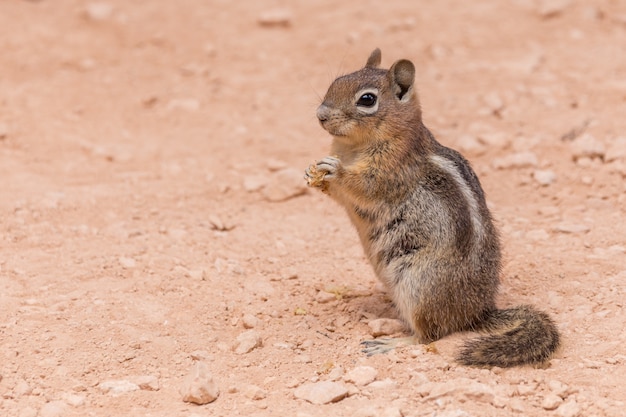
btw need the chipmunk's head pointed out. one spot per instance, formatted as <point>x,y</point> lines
<point>371,103</point>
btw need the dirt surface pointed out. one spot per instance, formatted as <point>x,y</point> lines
<point>153,214</point>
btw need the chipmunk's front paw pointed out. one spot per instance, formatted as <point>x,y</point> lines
<point>319,174</point>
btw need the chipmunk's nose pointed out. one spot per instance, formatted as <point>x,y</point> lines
<point>323,113</point>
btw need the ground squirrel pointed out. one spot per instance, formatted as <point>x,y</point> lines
<point>421,215</point>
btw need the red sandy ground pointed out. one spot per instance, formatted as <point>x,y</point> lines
<point>142,144</point>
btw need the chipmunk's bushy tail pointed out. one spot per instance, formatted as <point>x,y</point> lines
<point>516,336</point>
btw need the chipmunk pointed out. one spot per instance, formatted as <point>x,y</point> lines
<point>422,219</point>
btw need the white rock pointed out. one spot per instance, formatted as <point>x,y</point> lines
<point>361,375</point>
<point>285,184</point>
<point>117,387</point>
<point>199,387</point>
<point>516,160</point>
<point>587,146</point>
<point>544,177</point>
<point>53,409</point>
<point>385,327</point>
<point>569,409</point>
<point>127,263</point>
<point>247,341</point>
<point>551,402</point>
<point>321,392</point>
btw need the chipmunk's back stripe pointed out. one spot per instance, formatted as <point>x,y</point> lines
<point>452,169</point>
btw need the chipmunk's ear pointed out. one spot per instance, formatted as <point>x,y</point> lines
<point>374,60</point>
<point>401,77</point>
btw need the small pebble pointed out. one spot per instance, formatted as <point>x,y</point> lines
<point>252,183</point>
<point>199,387</point>
<point>587,146</point>
<point>361,375</point>
<point>22,388</point>
<point>321,392</point>
<point>247,341</point>
<point>275,18</point>
<point>385,327</point>
<point>551,402</point>
<point>254,392</point>
<point>518,405</point>
<point>324,297</point>
<point>249,321</point>
<point>568,409</point>
<point>336,373</point>
<point>557,387</point>
<point>516,160</point>
<point>284,184</point>
<point>127,263</point>
<point>276,165</point>
<point>147,382</point>
<point>544,177</point>
<point>385,384</point>
<point>117,387</point>
<point>74,400</point>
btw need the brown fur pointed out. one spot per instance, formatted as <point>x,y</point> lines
<point>421,216</point>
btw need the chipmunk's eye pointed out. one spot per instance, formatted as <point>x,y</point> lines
<point>367,100</point>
